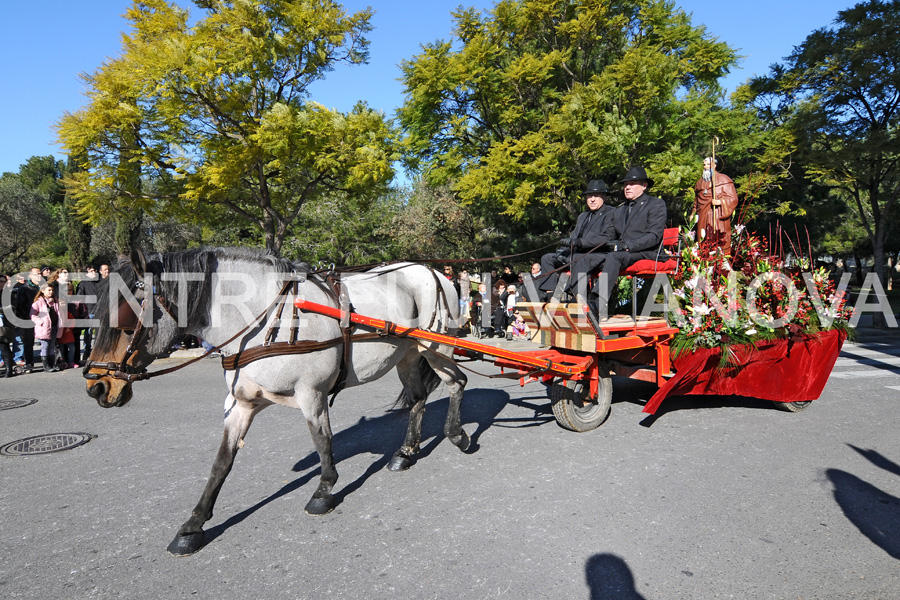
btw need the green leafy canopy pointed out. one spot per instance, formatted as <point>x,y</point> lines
<point>536,96</point>
<point>216,113</point>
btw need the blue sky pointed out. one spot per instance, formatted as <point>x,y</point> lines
<point>45,44</point>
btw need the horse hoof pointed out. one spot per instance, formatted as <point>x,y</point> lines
<point>320,506</point>
<point>461,441</point>
<point>185,545</point>
<point>400,463</point>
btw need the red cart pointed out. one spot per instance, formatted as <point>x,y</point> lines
<point>578,359</point>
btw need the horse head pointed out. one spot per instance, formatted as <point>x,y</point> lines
<point>135,326</point>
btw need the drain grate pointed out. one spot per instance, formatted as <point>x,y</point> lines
<point>7,404</point>
<point>45,444</point>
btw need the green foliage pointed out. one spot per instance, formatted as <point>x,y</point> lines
<point>76,232</point>
<point>34,214</point>
<point>342,230</point>
<point>536,96</point>
<point>43,175</point>
<point>435,224</point>
<point>165,235</point>
<point>215,113</point>
<point>839,95</point>
<point>26,223</point>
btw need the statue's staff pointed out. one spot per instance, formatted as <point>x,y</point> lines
<point>712,181</point>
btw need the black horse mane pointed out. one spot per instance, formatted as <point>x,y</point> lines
<point>196,300</point>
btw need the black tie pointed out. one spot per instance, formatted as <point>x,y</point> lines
<point>584,225</point>
<point>628,212</point>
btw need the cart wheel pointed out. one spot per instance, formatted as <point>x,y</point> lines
<point>574,411</point>
<point>793,406</point>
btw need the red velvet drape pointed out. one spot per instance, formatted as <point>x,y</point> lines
<point>785,370</point>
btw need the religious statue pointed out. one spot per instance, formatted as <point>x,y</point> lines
<point>715,199</point>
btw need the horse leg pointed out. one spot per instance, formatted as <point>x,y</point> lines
<point>316,411</point>
<point>238,417</point>
<point>408,369</point>
<point>455,380</point>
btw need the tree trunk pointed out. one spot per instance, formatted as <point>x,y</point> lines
<point>273,241</point>
<point>878,268</point>
<point>78,233</point>
<point>859,269</point>
<point>128,229</point>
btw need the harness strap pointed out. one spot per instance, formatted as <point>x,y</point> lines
<point>343,303</point>
<point>295,314</point>
<point>272,333</point>
<point>245,357</point>
<point>120,368</point>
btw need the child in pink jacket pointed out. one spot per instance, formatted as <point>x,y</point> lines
<point>45,314</point>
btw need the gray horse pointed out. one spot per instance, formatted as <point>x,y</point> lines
<point>228,298</point>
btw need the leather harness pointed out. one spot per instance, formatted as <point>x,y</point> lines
<point>124,371</point>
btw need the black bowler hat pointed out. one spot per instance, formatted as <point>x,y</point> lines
<point>596,186</point>
<point>636,174</point>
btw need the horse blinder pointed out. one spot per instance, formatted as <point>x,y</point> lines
<point>133,325</point>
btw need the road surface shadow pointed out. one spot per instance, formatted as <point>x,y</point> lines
<point>872,510</point>
<point>609,578</point>
<point>383,435</point>
<point>848,352</point>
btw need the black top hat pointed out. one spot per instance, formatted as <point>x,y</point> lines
<point>596,186</point>
<point>636,174</point>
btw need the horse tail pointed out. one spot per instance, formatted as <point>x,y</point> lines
<point>429,379</point>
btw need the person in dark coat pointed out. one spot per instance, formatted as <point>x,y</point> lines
<point>585,249</point>
<point>639,225</point>
<point>7,335</point>
<point>87,289</point>
<point>24,293</point>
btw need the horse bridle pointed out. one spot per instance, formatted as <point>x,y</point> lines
<point>121,369</point>
<point>126,372</point>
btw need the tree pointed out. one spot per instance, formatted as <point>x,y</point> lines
<point>25,222</point>
<point>839,93</point>
<point>41,204</point>
<point>537,96</point>
<point>364,235</point>
<point>216,114</point>
<point>77,232</point>
<point>435,224</point>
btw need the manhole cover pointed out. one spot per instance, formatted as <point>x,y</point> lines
<point>16,403</point>
<point>45,444</point>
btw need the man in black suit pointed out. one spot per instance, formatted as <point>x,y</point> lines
<point>585,248</point>
<point>639,225</point>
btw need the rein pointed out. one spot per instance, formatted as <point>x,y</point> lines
<point>366,267</point>
<point>122,370</point>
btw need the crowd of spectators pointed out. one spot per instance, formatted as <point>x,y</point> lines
<point>506,290</point>
<point>41,314</point>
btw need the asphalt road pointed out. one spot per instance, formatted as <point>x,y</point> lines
<point>718,498</point>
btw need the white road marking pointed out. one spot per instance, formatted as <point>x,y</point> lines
<point>871,373</point>
<point>850,362</point>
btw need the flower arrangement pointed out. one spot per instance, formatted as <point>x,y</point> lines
<point>750,296</point>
